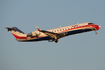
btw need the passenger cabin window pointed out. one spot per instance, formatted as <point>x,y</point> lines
<point>90,23</point>
<point>55,30</point>
<point>65,28</point>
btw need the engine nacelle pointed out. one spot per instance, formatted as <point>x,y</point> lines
<point>33,34</point>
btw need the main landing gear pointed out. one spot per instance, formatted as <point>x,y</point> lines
<point>56,40</point>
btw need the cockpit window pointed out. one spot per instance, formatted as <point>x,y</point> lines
<point>90,23</point>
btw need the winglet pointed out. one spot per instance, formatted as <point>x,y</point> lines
<point>38,28</point>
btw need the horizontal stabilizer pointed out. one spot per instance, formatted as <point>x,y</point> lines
<point>9,29</point>
<point>14,29</point>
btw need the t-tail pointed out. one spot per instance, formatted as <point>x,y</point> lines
<point>18,34</point>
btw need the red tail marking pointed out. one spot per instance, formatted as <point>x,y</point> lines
<point>17,37</point>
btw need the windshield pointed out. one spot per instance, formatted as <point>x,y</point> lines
<point>90,23</point>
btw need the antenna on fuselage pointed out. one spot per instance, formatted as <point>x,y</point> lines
<point>77,23</point>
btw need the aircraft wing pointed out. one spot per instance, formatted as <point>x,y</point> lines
<point>51,34</point>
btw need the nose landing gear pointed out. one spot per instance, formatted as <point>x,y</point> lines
<point>94,30</point>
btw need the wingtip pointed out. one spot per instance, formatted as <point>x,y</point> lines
<point>38,28</point>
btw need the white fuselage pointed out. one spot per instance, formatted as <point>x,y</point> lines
<point>53,34</point>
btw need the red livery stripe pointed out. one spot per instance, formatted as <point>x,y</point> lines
<point>18,37</point>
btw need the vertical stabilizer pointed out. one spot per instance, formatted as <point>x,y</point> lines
<point>18,34</point>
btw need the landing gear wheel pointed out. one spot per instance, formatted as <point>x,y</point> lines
<point>56,40</point>
<point>95,32</point>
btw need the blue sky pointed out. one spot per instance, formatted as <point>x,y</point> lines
<point>84,51</point>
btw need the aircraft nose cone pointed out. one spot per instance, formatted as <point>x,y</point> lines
<point>99,26</point>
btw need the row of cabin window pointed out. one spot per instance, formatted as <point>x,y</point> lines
<point>62,29</point>
<point>69,28</point>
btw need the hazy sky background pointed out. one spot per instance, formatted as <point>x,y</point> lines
<point>84,51</point>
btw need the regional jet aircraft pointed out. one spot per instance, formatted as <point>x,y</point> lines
<point>53,34</point>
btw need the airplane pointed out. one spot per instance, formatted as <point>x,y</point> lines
<point>53,34</point>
